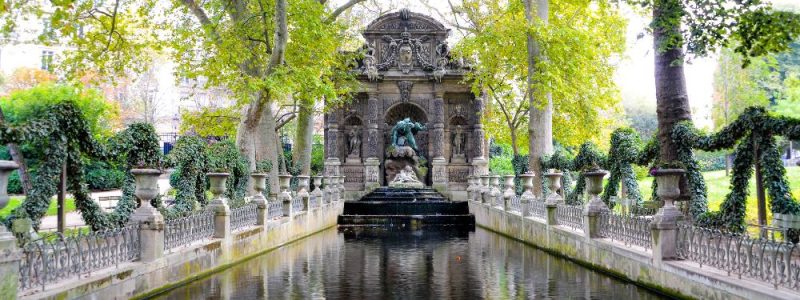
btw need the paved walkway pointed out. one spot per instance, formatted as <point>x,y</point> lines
<point>74,218</point>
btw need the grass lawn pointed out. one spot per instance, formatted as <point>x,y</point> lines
<point>51,211</point>
<point>718,186</point>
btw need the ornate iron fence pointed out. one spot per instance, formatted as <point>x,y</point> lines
<point>774,262</point>
<point>515,205</point>
<point>298,205</point>
<point>53,259</point>
<point>244,216</point>
<point>186,230</point>
<point>630,230</point>
<point>274,210</point>
<point>570,216</point>
<point>538,209</point>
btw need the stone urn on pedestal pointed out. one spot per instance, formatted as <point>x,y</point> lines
<point>485,189</point>
<point>595,206</point>
<point>259,186</point>
<point>527,195</point>
<point>302,190</point>
<point>554,185</point>
<point>509,193</point>
<point>219,204</point>
<point>285,196</point>
<point>495,192</point>
<point>316,194</point>
<point>149,219</point>
<point>665,222</point>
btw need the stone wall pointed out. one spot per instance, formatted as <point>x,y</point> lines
<point>193,262</point>
<point>681,279</point>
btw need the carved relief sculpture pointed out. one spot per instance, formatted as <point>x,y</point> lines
<point>354,145</point>
<point>458,145</point>
<point>405,89</point>
<point>403,133</point>
<point>369,62</point>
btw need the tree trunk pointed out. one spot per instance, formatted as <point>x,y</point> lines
<point>256,137</point>
<point>303,136</point>
<point>514,145</point>
<point>671,98</point>
<point>16,156</point>
<point>540,124</point>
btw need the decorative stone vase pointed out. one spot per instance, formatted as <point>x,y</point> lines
<point>283,181</point>
<point>509,185</point>
<point>594,186</point>
<point>495,189</point>
<point>317,183</point>
<point>485,188</point>
<point>302,185</point>
<point>146,185</point>
<point>554,185</point>
<point>6,167</point>
<point>668,181</point>
<point>259,182</point>
<point>216,182</point>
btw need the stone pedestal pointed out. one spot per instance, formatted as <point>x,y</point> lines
<point>527,196</point>
<point>485,190</point>
<point>595,207</point>
<point>509,192</point>
<point>317,194</point>
<point>664,226</point>
<point>285,196</point>
<point>439,166</point>
<point>302,191</point>
<point>372,170</point>
<point>494,192</point>
<point>10,254</point>
<point>259,185</point>
<point>219,205</point>
<point>332,166</point>
<point>150,220</point>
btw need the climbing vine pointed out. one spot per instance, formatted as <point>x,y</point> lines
<point>64,136</point>
<point>754,129</point>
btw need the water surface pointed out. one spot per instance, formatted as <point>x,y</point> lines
<point>427,264</point>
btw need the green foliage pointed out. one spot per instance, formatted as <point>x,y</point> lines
<point>65,136</point>
<point>14,183</point>
<point>225,157</point>
<point>190,158</point>
<point>497,40</point>
<point>317,158</point>
<point>754,127</point>
<point>23,105</point>
<point>211,122</point>
<point>102,176</point>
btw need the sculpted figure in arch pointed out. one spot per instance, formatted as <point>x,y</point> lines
<point>458,141</point>
<point>403,133</point>
<point>354,146</point>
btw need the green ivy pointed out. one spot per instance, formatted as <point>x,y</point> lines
<point>64,137</point>
<point>189,159</point>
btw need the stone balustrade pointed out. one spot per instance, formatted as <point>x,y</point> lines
<point>149,237</point>
<point>660,239</point>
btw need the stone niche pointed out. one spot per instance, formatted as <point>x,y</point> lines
<point>406,71</point>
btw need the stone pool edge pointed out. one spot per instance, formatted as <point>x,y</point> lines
<point>677,279</point>
<point>194,262</point>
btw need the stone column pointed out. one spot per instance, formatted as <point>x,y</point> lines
<point>342,192</point>
<point>470,186</point>
<point>595,207</point>
<point>664,227</point>
<point>372,179</point>
<point>527,196</point>
<point>150,220</point>
<point>439,163</point>
<point>259,185</point>
<point>509,193</point>
<point>302,191</point>
<point>10,254</point>
<point>219,205</point>
<point>285,197</point>
<point>332,137</point>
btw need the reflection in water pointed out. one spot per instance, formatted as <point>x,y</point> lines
<point>429,264</point>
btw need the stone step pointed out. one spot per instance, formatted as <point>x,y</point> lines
<point>405,208</point>
<point>409,198</point>
<point>410,221</point>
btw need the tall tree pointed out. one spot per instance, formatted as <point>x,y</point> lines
<point>244,46</point>
<point>540,126</point>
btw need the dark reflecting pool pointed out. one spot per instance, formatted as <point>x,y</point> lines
<point>427,264</point>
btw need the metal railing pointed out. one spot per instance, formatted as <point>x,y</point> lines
<point>314,202</point>
<point>274,210</point>
<point>630,230</point>
<point>774,262</point>
<point>515,205</point>
<point>538,209</point>
<point>298,205</point>
<point>50,260</point>
<point>570,216</point>
<point>244,216</point>
<point>186,230</point>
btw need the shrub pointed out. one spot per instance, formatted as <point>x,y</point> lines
<point>102,177</point>
<point>14,184</point>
